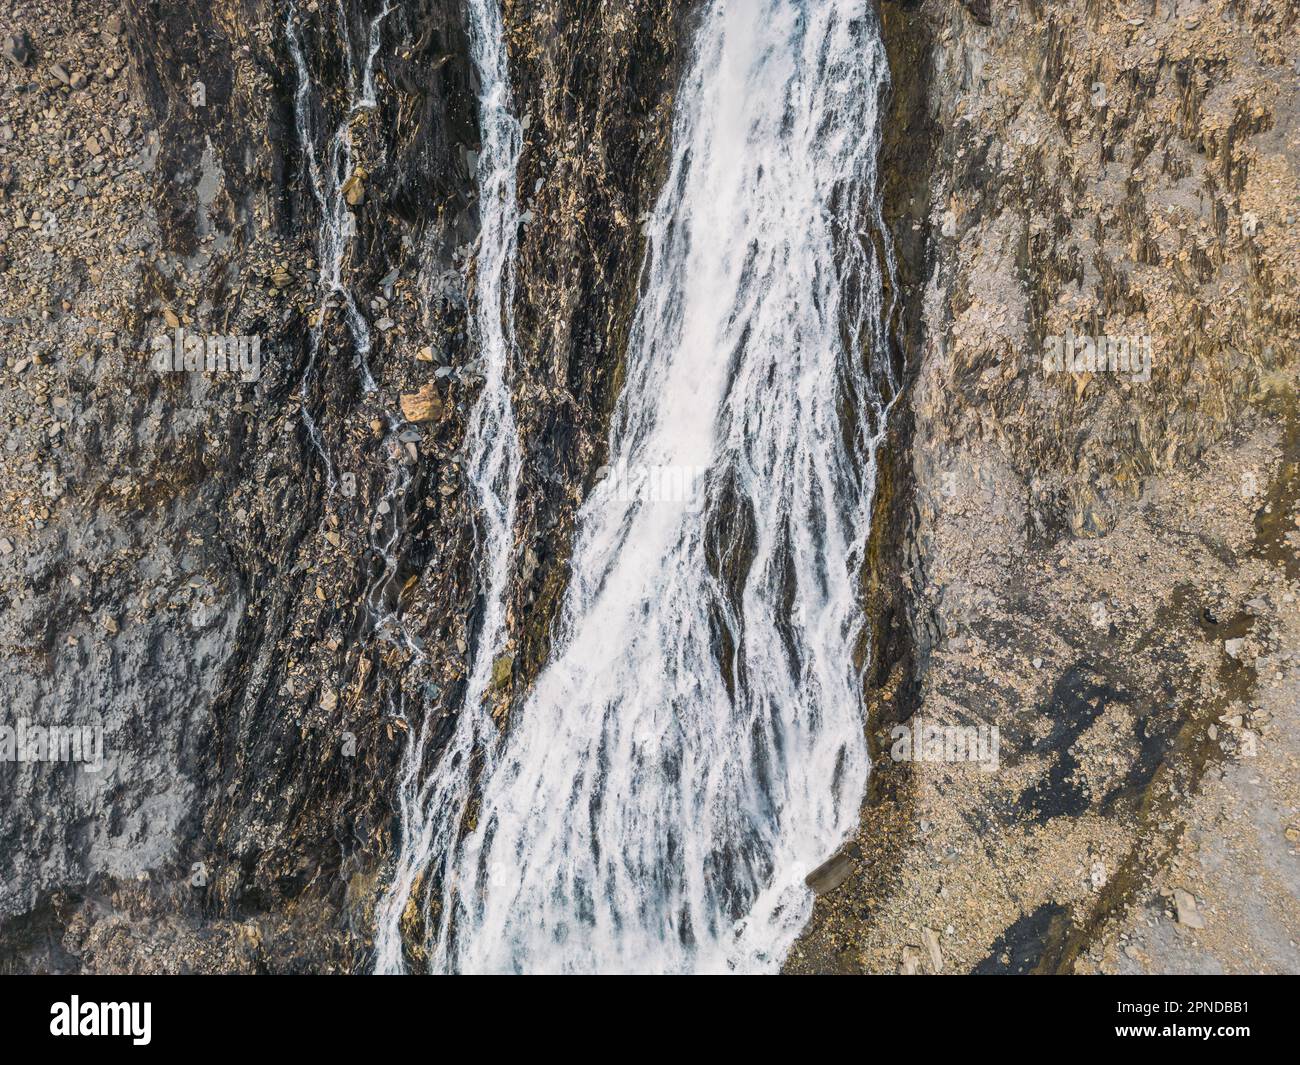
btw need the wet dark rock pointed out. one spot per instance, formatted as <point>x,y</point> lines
<point>233,659</point>
<point>831,874</point>
<point>1025,946</point>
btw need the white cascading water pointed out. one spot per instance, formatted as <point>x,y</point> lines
<point>696,745</point>
<point>432,807</point>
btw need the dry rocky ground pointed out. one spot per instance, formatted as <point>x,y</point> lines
<point>1104,569</point>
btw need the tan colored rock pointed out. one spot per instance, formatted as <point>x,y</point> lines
<point>931,940</point>
<point>422,406</point>
<point>354,191</point>
<point>1188,915</point>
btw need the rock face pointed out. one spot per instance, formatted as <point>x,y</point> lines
<point>191,572</point>
<point>1078,543</point>
<point>254,588</point>
<point>221,575</point>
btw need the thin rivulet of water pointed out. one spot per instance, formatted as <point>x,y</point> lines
<point>337,223</point>
<point>432,800</point>
<point>696,745</point>
<point>337,229</point>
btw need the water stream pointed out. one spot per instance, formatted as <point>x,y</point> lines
<point>432,805</point>
<point>696,744</point>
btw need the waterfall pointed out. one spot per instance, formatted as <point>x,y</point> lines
<point>696,745</point>
<point>432,807</point>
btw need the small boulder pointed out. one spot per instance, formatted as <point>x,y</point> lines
<point>17,48</point>
<point>1188,915</point>
<point>830,874</point>
<point>501,670</point>
<point>422,406</point>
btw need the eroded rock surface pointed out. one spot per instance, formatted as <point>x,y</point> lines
<point>1081,549</point>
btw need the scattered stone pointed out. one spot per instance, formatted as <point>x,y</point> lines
<point>17,48</point>
<point>931,942</point>
<point>60,73</point>
<point>911,963</point>
<point>1234,647</point>
<point>830,874</point>
<point>79,80</point>
<point>1188,915</point>
<point>422,406</point>
<point>6,547</point>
